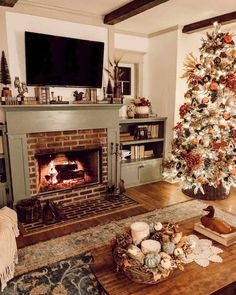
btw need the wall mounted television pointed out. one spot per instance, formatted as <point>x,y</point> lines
<point>61,61</point>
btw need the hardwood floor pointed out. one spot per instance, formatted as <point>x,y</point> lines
<point>151,196</point>
<point>161,194</point>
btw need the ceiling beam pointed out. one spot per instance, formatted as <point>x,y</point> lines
<point>9,3</point>
<point>130,9</point>
<point>224,18</point>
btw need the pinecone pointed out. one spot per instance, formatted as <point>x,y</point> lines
<point>157,236</point>
<point>124,240</point>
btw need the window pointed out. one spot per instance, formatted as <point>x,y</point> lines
<point>127,80</point>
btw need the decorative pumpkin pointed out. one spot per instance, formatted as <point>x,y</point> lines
<point>158,226</point>
<point>152,260</point>
<point>179,252</point>
<point>168,247</point>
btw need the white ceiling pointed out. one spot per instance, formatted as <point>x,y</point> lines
<point>166,15</point>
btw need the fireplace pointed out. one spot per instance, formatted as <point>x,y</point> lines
<point>57,130</point>
<point>68,169</point>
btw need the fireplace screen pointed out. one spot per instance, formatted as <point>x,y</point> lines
<point>66,170</point>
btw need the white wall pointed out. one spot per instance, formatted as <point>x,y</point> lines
<point>162,58</point>
<point>17,24</point>
<point>134,44</point>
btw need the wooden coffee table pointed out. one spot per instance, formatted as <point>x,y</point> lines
<point>194,280</point>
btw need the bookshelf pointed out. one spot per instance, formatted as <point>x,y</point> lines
<point>145,141</point>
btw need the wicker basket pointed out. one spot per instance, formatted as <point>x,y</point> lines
<point>211,193</point>
<point>28,210</point>
<point>135,271</point>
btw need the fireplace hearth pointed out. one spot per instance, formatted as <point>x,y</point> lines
<point>68,169</point>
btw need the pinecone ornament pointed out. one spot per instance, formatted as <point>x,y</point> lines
<point>124,240</point>
<point>157,236</point>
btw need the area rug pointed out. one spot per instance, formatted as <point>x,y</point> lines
<point>51,251</point>
<point>67,277</point>
<point>81,211</point>
<point>62,266</point>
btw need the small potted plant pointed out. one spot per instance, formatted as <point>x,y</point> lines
<point>142,107</point>
<point>5,78</point>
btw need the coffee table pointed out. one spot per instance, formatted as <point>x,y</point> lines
<point>194,280</point>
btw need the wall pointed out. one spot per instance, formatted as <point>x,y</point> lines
<point>17,24</point>
<point>162,66</point>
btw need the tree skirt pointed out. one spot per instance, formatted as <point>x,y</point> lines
<point>71,276</point>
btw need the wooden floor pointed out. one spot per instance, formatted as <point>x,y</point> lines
<point>151,196</point>
<point>162,194</point>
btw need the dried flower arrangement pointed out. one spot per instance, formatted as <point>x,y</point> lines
<point>156,257</point>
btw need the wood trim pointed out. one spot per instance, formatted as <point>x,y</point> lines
<point>223,19</point>
<point>9,3</point>
<point>130,9</point>
<point>167,30</point>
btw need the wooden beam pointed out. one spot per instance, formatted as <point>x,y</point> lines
<point>9,3</point>
<point>224,18</point>
<point>130,9</point>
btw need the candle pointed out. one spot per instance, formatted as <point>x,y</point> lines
<point>149,246</point>
<point>139,231</point>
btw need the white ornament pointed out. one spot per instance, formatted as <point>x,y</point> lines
<point>158,226</point>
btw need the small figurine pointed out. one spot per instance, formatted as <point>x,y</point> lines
<point>215,223</point>
<point>78,95</point>
<point>22,89</point>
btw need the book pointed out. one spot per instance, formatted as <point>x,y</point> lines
<point>225,240</point>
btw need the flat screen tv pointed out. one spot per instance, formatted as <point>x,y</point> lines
<point>61,61</point>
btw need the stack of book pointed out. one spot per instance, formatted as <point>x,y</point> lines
<point>148,154</point>
<point>137,152</point>
<point>153,131</point>
<point>126,137</point>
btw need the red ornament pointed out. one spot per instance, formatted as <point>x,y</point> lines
<point>184,109</point>
<point>219,145</point>
<point>178,126</point>
<point>214,86</point>
<point>231,81</point>
<point>193,160</point>
<point>228,39</point>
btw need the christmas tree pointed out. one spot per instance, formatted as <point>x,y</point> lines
<point>4,72</point>
<point>204,146</point>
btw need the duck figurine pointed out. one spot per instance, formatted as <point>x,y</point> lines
<point>216,224</point>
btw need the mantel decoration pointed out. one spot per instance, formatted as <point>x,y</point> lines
<point>22,89</point>
<point>5,77</point>
<point>115,74</point>
<point>150,253</point>
<point>204,145</point>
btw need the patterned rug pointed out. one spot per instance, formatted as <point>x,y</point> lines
<point>62,266</point>
<point>51,251</point>
<point>67,277</point>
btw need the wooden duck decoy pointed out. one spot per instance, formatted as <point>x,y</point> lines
<point>215,223</point>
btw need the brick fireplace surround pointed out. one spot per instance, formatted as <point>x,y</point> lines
<point>59,141</point>
<point>58,128</point>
